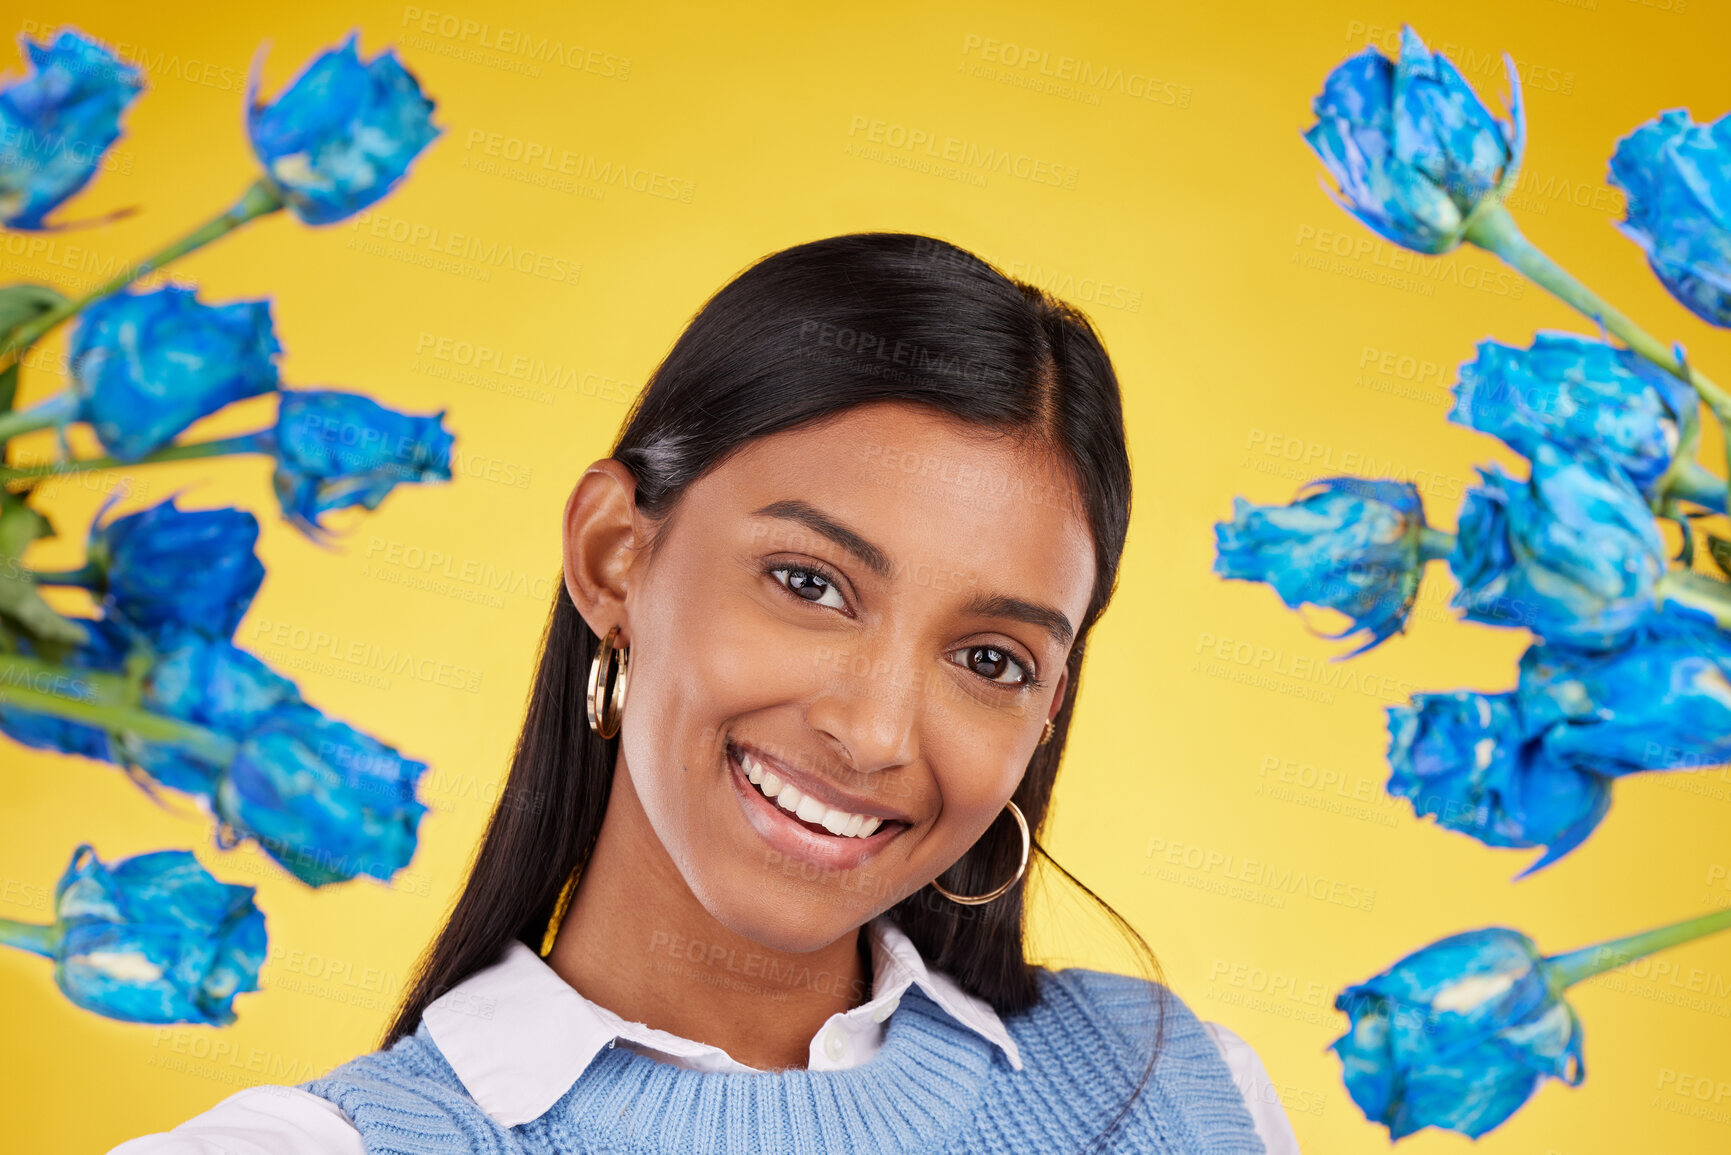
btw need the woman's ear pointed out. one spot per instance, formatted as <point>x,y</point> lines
<point>1058,696</point>
<point>602,545</point>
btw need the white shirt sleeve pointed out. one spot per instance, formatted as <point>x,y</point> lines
<point>265,1120</point>
<point>1260,1094</point>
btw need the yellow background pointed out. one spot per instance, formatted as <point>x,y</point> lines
<point>1260,337</point>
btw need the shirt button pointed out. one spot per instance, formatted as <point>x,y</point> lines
<point>886,1010</point>
<point>834,1045</point>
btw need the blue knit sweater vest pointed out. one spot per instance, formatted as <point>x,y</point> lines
<point>934,1087</point>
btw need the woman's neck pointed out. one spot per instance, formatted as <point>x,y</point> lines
<point>638,942</point>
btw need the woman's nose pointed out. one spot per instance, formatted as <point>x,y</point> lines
<point>869,705</point>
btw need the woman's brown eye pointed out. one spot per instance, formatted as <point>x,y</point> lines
<point>993,663</point>
<point>809,585</point>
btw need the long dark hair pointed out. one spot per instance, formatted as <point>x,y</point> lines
<point>806,334</point>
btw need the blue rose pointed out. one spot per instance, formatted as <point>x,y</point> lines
<point>1463,759</point>
<point>1581,395</point>
<point>336,450</point>
<point>1660,702</point>
<point>165,567</point>
<point>342,134</point>
<point>1413,148</point>
<point>1572,555</point>
<point>1457,1035</point>
<point>105,652</point>
<point>1677,175</point>
<point>56,123</point>
<point>323,799</point>
<point>148,365</point>
<point>151,939</point>
<point>210,683</point>
<point>1350,545</point>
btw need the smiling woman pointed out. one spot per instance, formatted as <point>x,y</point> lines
<point>795,731</point>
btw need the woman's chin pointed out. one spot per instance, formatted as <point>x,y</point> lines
<point>784,913</point>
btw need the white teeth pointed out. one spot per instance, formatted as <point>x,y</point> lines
<point>840,823</point>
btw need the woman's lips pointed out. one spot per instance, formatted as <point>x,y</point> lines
<point>806,839</point>
<point>772,782</point>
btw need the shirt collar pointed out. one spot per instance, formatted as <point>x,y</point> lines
<point>518,1036</point>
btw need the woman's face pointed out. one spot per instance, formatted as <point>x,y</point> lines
<point>873,613</point>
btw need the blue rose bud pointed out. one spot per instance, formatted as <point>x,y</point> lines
<point>56,123</point>
<point>1457,1035</point>
<point>147,365</point>
<point>1581,395</point>
<point>151,939</point>
<point>1660,702</point>
<point>1677,175</point>
<point>1572,555</point>
<point>1350,545</point>
<point>1462,758</point>
<point>210,683</point>
<point>165,567</point>
<point>323,799</point>
<point>342,134</point>
<point>104,652</point>
<point>1413,148</point>
<point>336,450</point>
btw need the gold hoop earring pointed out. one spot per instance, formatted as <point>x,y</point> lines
<point>1046,733</point>
<point>605,713</point>
<point>980,899</point>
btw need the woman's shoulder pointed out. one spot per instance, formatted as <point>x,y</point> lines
<point>411,1068</point>
<point>1131,1012</point>
<point>1114,1022</point>
<point>317,1117</point>
<point>1122,1005</point>
<point>264,1120</point>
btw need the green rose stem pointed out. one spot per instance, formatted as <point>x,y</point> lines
<point>84,577</point>
<point>1435,544</point>
<point>105,701</point>
<point>243,443</point>
<point>1668,506</point>
<point>30,936</point>
<point>1492,227</point>
<point>56,410</point>
<point>1565,970</point>
<point>8,385</point>
<point>1698,592</point>
<point>1694,482</point>
<point>262,198</point>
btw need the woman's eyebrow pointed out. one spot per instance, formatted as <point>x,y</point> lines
<point>1047,618</point>
<point>999,606</point>
<point>809,516</point>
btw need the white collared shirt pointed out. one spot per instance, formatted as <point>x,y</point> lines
<point>518,1036</point>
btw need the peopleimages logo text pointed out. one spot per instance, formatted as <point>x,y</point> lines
<point>954,150</point>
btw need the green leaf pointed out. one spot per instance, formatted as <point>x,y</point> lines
<point>20,304</point>
<point>19,526</point>
<point>1721,551</point>
<point>23,302</point>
